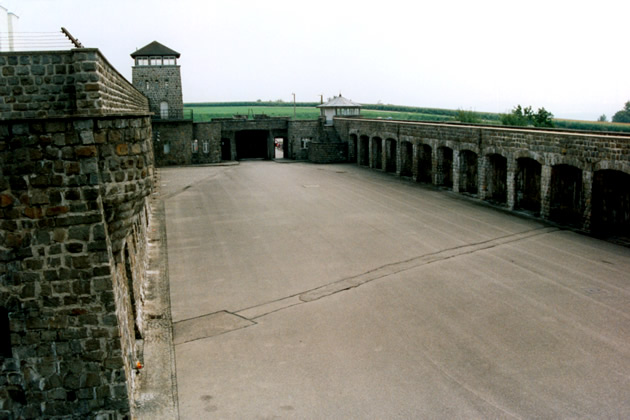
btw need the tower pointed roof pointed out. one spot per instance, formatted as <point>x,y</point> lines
<point>155,48</point>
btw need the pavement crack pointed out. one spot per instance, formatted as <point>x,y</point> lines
<point>397,267</point>
<point>348,283</point>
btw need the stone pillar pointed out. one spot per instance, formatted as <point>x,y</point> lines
<point>371,153</point>
<point>545,191</point>
<point>587,193</point>
<point>482,182</point>
<point>511,182</point>
<point>435,164</point>
<point>384,155</point>
<point>456,170</point>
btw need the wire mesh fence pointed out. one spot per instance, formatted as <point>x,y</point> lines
<point>34,41</point>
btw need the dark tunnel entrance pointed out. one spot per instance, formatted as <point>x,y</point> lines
<point>252,144</point>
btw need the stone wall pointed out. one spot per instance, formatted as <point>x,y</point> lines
<point>69,83</point>
<point>320,152</point>
<point>160,84</point>
<point>301,135</point>
<point>208,136</point>
<point>515,167</point>
<point>76,168</point>
<point>172,142</point>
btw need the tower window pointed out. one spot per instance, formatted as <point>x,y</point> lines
<point>142,61</point>
<point>206,148</point>
<point>147,84</point>
<point>156,61</point>
<point>169,61</point>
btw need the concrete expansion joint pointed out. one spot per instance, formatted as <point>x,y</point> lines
<point>258,311</point>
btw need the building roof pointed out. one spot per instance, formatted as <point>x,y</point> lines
<point>155,48</point>
<point>339,102</point>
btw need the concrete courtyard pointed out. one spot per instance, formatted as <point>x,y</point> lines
<point>307,291</point>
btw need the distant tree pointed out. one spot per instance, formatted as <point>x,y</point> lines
<point>623,116</point>
<point>524,117</point>
<point>602,118</point>
<point>466,117</point>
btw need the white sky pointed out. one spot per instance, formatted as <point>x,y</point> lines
<point>571,57</point>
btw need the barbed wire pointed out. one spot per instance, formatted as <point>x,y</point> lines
<point>34,41</point>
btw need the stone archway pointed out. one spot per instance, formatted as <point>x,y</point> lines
<point>444,167</point>
<point>527,184</point>
<point>565,204</point>
<point>425,163</point>
<point>496,179</point>
<point>468,172</point>
<point>611,203</point>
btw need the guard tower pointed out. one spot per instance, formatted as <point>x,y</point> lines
<point>339,106</point>
<point>156,74</point>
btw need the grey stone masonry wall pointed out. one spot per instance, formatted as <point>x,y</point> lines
<point>496,151</point>
<point>76,170</point>
<point>160,84</point>
<point>72,239</point>
<point>79,82</point>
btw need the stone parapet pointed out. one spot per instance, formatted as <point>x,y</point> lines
<point>75,83</point>
<point>73,220</point>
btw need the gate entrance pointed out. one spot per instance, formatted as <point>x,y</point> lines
<point>253,144</point>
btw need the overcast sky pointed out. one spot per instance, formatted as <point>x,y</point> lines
<point>570,57</point>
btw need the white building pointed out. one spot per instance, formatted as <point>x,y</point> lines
<point>339,106</point>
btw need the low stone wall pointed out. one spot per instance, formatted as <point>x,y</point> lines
<point>551,173</point>
<point>327,152</point>
<point>64,83</point>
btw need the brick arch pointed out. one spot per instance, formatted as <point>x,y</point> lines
<point>612,165</point>
<point>537,156</point>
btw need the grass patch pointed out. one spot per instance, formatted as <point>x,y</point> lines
<point>206,111</point>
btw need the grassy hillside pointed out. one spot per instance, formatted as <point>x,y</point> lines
<point>307,110</point>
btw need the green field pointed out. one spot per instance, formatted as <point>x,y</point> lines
<point>204,112</point>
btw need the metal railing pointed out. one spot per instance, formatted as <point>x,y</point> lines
<point>174,115</point>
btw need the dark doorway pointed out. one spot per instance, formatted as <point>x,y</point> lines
<point>377,153</point>
<point>496,179</point>
<point>390,158</point>
<point>406,158</point>
<point>468,172</point>
<point>364,151</point>
<point>611,203</point>
<point>528,185</point>
<point>425,164</point>
<point>445,167</point>
<point>252,144</point>
<point>566,195</point>
<point>226,149</point>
